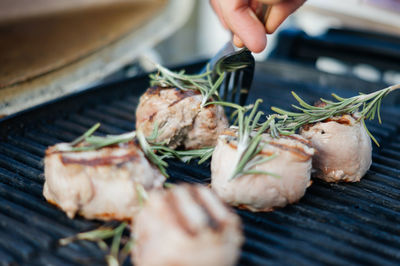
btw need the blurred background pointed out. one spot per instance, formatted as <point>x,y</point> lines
<point>49,49</point>
<point>203,35</point>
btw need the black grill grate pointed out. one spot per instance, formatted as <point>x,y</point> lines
<point>333,224</point>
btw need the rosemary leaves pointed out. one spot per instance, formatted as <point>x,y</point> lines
<point>88,142</point>
<point>201,82</point>
<point>366,105</point>
<point>116,255</point>
<point>203,154</point>
<point>249,138</point>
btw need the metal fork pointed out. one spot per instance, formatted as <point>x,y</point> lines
<point>236,85</point>
<point>239,68</point>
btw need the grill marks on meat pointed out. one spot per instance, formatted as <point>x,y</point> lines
<point>344,150</point>
<point>181,120</point>
<point>298,138</point>
<point>106,160</point>
<point>194,194</point>
<point>213,221</point>
<point>99,184</point>
<point>180,218</point>
<point>298,151</point>
<point>303,152</point>
<point>260,192</point>
<point>344,120</point>
<point>187,225</point>
<point>128,152</point>
<point>208,124</point>
<point>180,95</point>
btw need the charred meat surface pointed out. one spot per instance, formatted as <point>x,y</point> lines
<point>181,121</point>
<point>187,225</point>
<point>291,168</point>
<point>344,151</point>
<point>99,184</point>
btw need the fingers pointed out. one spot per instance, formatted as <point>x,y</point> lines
<point>280,12</point>
<point>237,41</point>
<point>215,5</point>
<point>241,19</point>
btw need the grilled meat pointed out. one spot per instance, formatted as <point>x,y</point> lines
<point>187,225</point>
<point>180,119</point>
<point>261,192</point>
<point>100,184</point>
<point>343,148</point>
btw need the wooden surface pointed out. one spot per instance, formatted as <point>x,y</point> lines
<point>77,58</point>
<point>35,46</point>
<point>14,10</point>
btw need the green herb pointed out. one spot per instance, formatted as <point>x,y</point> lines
<point>141,194</point>
<point>115,256</point>
<point>151,155</point>
<point>250,144</point>
<point>85,135</point>
<point>366,105</point>
<point>203,154</point>
<point>201,82</point>
<point>90,142</point>
<point>168,185</point>
<point>185,156</point>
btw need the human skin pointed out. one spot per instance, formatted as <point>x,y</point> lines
<point>239,17</point>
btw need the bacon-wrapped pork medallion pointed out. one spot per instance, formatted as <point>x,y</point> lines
<point>99,184</point>
<point>186,225</point>
<point>343,148</point>
<point>290,170</point>
<point>181,120</point>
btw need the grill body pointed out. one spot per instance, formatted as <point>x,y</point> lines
<point>333,223</point>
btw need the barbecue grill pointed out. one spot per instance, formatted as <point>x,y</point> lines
<point>332,224</point>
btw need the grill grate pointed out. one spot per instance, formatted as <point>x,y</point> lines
<point>333,224</point>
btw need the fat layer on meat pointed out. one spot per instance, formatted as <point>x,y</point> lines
<point>101,184</point>
<point>180,119</point>
<point>343,147</point>
<point>186,225</point>
<point>261,192</point>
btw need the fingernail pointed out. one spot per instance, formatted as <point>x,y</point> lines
<point>237,41</point>
<point>252,14</point>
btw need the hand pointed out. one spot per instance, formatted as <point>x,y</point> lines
<point>239,17</point>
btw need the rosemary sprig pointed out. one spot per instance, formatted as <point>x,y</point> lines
<point>200,82</point>
<point>115,256</point>
<point>167,78</point>
<point>203,154</point>
<point>90,143</point>
<point>85,135</point>
<point>366,105</point>
<point>168,185</point>
<point>250,145</point>
<point>250,142</point>
<point>151,155</point>
<point>185,156</point>
<point>141,193</point>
